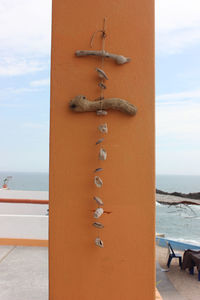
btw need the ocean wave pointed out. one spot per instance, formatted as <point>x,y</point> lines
<point>186,241</point>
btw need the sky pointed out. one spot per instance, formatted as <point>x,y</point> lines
<point>25,38</point>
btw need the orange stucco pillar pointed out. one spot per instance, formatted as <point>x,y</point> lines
<point>124,268</point>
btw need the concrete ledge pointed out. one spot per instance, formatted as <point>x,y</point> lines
<point>24,227</point>
<point>24,242</point>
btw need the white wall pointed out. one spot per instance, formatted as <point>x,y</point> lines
<point>23,209</point>
<point>24,227</point>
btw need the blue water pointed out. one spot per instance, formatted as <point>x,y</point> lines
<point>178,183</point>
<point>40,182</point>
<point>180,223</point>
<point>26,181</point>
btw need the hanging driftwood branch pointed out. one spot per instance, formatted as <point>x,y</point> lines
<point>81,104</point>
<point>119,59</point>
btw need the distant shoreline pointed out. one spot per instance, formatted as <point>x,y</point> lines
<point>177,198</point>
<point>195,196</point>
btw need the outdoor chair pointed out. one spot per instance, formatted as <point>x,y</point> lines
<point>173,255</point>
<point>191,259</point>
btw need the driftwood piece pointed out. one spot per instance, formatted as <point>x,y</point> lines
<point>119,59</point>
<point>82,104</point>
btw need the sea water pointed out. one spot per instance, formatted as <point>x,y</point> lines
<point>180,223</point>
<point>178,183</point>
<point>27,181</point>
<point>33,181</point>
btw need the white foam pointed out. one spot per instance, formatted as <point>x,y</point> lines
<point>186,241</point>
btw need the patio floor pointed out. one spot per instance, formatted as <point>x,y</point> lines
<point>23,273</point>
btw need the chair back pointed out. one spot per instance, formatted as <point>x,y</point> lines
<point>170,249</point>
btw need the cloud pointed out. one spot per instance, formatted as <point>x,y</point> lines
<point>41,82</point>
<point>33,125</point>
<point>177,25</point>
<point>177,133</point>
<point>25,26</point>
<point>9,93</point>
<point>13,66</point>
<point>187,95</point>
<point>178,120</point>
<point>25,36</point>
<point>181,161</point>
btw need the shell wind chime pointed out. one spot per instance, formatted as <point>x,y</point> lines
<point>100,106</point>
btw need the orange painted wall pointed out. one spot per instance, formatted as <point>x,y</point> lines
<point>124,269</point>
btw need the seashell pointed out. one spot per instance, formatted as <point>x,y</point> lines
<point>102,86</point>
<point>98,200</point>
<point>98,225</point>
<point>98,212</point>
<point>99,242</point>
<point>101,73</point>
<point>98,181</point>
<point>103,128</point>
<point>101,112</point>
<point>98,170</point>
<point>102,154</point>
<point>99,141</point>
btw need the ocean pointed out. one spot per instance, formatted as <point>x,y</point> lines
<point>180,223</point>
<point>178,183</point>
<point>26,181</point>
<point>177,223</point>
<point>32,181</point>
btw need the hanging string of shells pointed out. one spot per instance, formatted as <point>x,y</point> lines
<point>103,128</point>
<point>99,183</point>
<point>81,104</point>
